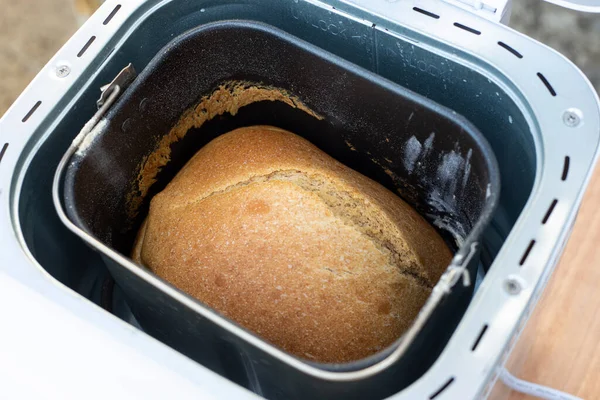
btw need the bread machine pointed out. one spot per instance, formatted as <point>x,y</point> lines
<point>537,111</point>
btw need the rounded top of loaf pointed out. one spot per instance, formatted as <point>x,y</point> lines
<point>289,243</point>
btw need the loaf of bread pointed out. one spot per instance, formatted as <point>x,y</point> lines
<point>279,237</point>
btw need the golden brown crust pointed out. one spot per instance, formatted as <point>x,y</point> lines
<point>293,245</point>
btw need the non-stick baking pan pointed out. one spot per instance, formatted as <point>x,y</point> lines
<point>432,157</point>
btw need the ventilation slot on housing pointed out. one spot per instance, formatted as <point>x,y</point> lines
<point>112,14</point>
<point>547,84</point>
<point>549,212</point>
<point>441,390</point>
<point>3,150</point>
<point>86,46</point>
<point>526,254</point>
<point>565,172</point>
<point>510,49</point>
<point>33,109</point>
<point>479,337</point>
<point>425,12</point>
<point>466,28</point>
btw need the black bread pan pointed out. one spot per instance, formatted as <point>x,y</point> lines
<point>429,155</point>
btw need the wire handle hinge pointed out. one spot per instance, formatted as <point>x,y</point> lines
<point>122,80</point>
<point>456,271</point>
<point>110,94</point>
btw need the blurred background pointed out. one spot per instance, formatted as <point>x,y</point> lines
<point>31,31</point>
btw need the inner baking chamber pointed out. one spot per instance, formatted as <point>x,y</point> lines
<point>250,74</point>
<point>71,262</point>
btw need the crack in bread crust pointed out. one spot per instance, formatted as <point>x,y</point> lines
<point>354,212</point>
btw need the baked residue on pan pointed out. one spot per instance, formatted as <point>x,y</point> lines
<point>228,98</point>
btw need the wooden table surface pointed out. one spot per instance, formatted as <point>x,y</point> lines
<point>560,346</point>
